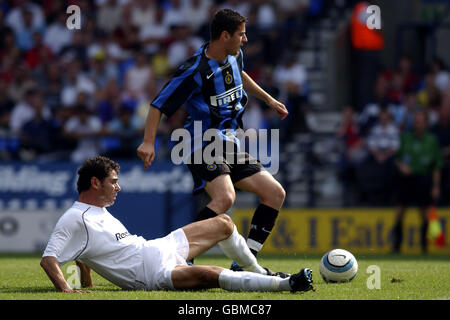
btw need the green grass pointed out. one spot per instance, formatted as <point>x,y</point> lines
<point>416,278</point>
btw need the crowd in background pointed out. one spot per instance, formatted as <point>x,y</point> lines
<point>373,136</point>
<point>71,94</point>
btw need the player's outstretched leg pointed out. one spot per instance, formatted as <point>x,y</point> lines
<point>204,277</point>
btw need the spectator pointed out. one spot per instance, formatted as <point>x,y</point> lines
<point>138,78</point>
<point>154,35</point>
<point>383,142</point>
<point>76,49</point>
<point>174,14</point>
<point>128,129</point>
<point>85,129</point>
<point>410,79</point>
<point>75,82</point>
<point>419,161</point>
<point>101,69</point>
<point>266,15</point>
<point>354,152</point>
<point>22,81</point>
<point>429,96</point>
<point>369,115</point>
<point>403,114</point>
<point>396,89</point>
<point>15,18</point>
<point>108,102</point>
<point>197,13</point>
<point>8,47</point>
<point>184,45</point>
<point>24,111</point>
<point>109,16</point>
<point>126,34</point>
<point>143,13</point>
<point>441,75</point>
<point>57,35</point>
<point>39,134</point>
<point>253,117</point>
<point>367,45</point>
<point>442,132</point>
<point>51,85</point>
<point>291,77</point>
<point>254,54</point>
<point>39,54</point>
<point>24,38</point>
<point>242,7</point>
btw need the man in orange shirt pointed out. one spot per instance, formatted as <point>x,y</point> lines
<point>367,45</point>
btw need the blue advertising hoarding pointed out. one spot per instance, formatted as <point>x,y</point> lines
<point>151,202</point>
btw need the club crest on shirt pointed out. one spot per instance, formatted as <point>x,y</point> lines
<point>228,78</point>
<point>211,167</point>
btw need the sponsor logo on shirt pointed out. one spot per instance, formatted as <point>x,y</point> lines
<point>227,97</point>
<point>120,236</point>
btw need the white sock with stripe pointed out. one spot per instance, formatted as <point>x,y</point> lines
<point>236,249</point>
<point>249,281</point>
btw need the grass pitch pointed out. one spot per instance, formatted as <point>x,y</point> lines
<point>401,278</point>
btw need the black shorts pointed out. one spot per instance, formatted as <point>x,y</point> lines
<point>415,190</point>
<point>202,173</point>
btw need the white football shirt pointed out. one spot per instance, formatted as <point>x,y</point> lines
<point>91,235</point>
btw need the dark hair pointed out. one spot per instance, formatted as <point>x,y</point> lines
<point>225,20</point>
<point>99,167</point>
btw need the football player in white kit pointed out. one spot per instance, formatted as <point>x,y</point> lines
<point>90,235</point>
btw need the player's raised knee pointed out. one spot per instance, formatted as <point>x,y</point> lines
<point>281,194</point>
<point>275,196</point>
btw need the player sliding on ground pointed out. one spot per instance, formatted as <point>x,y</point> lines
<point>90,235</point>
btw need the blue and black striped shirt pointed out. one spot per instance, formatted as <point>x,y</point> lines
<point>211,91</point>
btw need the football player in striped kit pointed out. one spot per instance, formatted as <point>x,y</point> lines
<point>213,87</point>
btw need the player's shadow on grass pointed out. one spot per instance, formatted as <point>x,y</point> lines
<point>32,290</point>
<point>27,290</point>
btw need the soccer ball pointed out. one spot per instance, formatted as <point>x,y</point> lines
<point>338,265</point>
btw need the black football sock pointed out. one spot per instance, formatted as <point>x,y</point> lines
<point>204,214</point>
<point>261,225</point>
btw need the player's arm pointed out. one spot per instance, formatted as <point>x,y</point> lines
<point>146,151</point>
<point>85,275</point>
<point>252,88</point>
<point>53,271</point>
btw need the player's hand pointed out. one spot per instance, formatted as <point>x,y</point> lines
<point>279,108</point>
<point>146,151</point>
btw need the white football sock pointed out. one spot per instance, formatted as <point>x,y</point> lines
<point>249,281</point>
<point>236,249</point>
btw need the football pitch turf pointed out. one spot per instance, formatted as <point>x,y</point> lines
<point>400,278</point>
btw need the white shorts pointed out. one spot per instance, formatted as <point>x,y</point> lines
<point>160,258</point>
